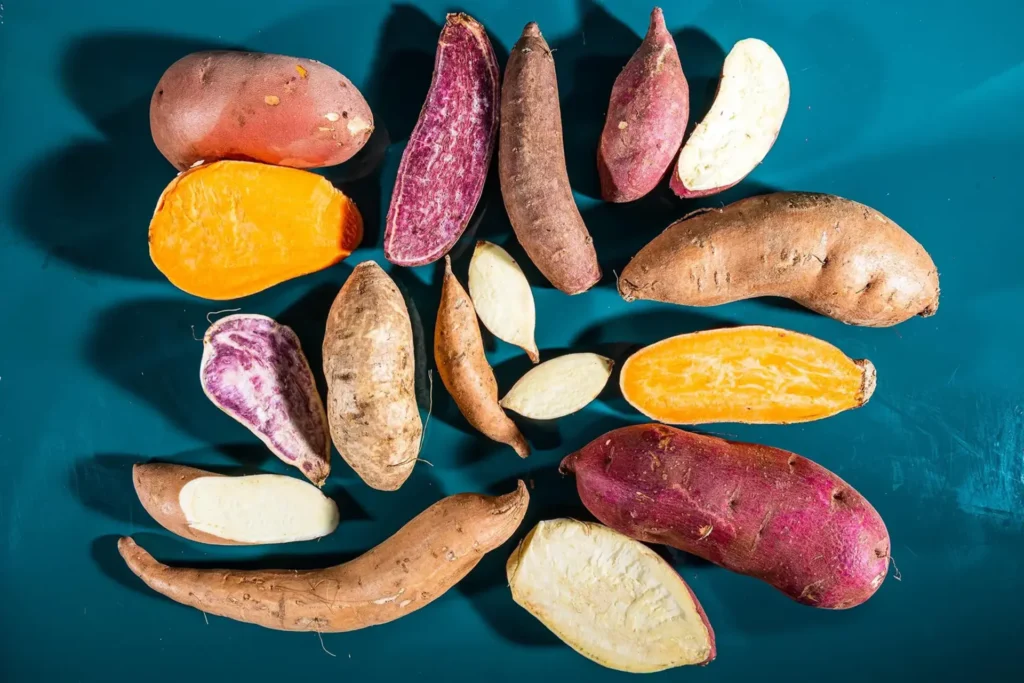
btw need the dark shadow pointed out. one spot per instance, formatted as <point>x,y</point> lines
<point>90,203</point>
<point>105,556</point>
<point>422,299</point>
<point>103,483</point>
<point>308,318</point>
<point>777,302</point>
<point>360,179</point>
<point>702,59</point>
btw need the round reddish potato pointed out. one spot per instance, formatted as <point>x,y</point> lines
<point>248,105</point>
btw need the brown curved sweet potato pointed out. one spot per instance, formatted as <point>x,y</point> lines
<point>275,109</point>
<point>418,564</point>
<point>830,254</point>
<point>531,165</point>
<point>459,354</point>
<point>753,509</point>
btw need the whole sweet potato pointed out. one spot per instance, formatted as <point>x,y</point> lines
<point>259,107</point>
<point>830,254</point>
<point>370,369</point>
<point>646,120</point>
<point>753,509</point>
<point>445,163</point>
<point>531,165</point>
<point>414,567</point>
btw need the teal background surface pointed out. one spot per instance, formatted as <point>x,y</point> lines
<point>910,107</point>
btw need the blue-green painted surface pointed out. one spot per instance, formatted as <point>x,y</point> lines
<point>910,107</point>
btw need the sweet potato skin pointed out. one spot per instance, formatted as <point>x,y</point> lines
<point>425,558</point>
<point>753,509</point>
<point>646,120</point>
<point>369,365</point>
<point>531,165</point>
<point>274,109</point>
<point>159,486</point>
<point>829,254</point>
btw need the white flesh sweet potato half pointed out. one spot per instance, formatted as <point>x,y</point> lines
<point>255,371</point>
<point>503,298</point>
<point>646,120</point>
<point>444,166</point>
<point>249,510</point>
<point>425,558</point>
<point>559,387</point>
<point>610,598</point>
<point>742,125</point>
<point>752,509</point>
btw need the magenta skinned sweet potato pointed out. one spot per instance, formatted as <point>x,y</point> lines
<point>444,166</point>
<point>647,116</point>
<point>753,509</point>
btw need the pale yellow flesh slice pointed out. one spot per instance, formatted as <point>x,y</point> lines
<point>502,297</point>
<point>559,387</point>
<point>262,508</point>
<point>743,122</point>
<point>609,597</point>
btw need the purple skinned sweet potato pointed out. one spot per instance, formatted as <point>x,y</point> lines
<point>444,166</point>
<point>647,115</point>
<point>254,370</point>
<point>753,509</point>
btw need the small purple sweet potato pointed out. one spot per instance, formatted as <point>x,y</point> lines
<point>444,166</point>
<point>254,370</point>
<point>753,509</point>
<point>647,115</point>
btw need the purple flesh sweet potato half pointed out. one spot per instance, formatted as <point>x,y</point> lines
<point>254,370</point>
<point>755,510</point>
<point>444,166</point>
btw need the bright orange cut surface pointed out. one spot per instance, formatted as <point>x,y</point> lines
<point>744,374</point>
<point>234,228</point>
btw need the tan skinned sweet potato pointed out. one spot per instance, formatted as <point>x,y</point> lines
<point>459,354</point>
<point>829,254</point>
<point>418,564</point>
<point>252,106</point>
<point>753,509</point>
<point>531,165</point>
<point>369,365</point>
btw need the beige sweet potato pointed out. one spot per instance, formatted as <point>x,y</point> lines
<point>258,107</point>
<point>462,364</point>
<point>531,166</point>
<point>418,564</point>
<point>370,368</point>
<point>830,254</point>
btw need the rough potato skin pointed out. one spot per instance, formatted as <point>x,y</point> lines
<point>370,370</point>
<point>830,254</point>
<point>531,165</point>
<point>418,564</point>
<point>462,364</point>
<point>752,509</point>
<point>159,485</point>
<point>275,109</point>
<point>647,116</point>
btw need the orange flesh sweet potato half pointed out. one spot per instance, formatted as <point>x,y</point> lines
<point>756,375</point>
<point>234,228</point>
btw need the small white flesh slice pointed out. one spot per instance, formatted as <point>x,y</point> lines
<point>743,123</point>
<point>262,508</point>
<point>609,597</point>
<point>502,297</point>
<point>559,387</point>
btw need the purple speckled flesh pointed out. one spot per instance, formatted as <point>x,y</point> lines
<point>254,370</point>
<point>444,166</point>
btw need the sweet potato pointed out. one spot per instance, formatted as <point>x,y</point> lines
<point>754,374</point>
<point>370,368</point>
<point>531,165</point>
<point>742,125</point>
<point>418,564</point>
<point>211,508</point>
<point>610,598</point>
<point>254,370</point>
<point>276,109</point>
<point>444,166</point>
<point>462,364</point>
<point>559,387</point>
<point>830,254</point>
<point>753,509</point>
<point>503,298</point>
<point>234,228</point>
<point>647,117</point>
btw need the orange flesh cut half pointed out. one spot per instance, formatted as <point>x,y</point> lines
<point>755,375</point>
<point>234,228</point>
